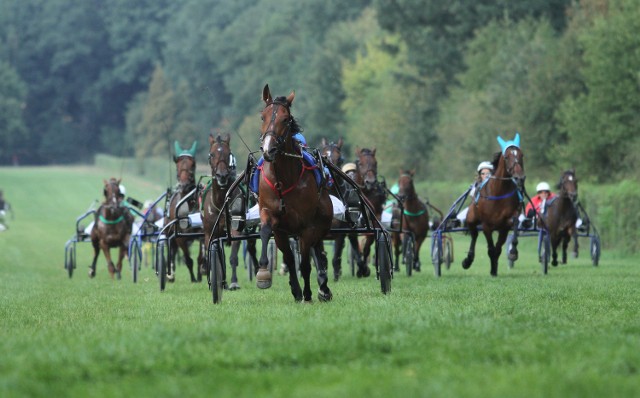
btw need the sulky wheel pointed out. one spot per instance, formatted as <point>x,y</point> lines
<point>162,264</point>
<point>595,250</point>
<point>436,253</point>
<point>408,245</point>
<point>70,260</point>
<point>216,276</point>
<point>135,257</point>
<point>545,251</point>
<point>383,263</point>
<point>272,255</point>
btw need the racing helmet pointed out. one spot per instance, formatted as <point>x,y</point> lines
<point>485,165</point>
<point>543,186</point>
<point>347,167</point>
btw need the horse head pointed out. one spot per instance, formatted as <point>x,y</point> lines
<point>111,191</point>
<point>512,158</point>
<point>568,185</point>
<point>406,189</point>
<point>277,125</point>
<point>185,166</point>
<point>367,167</point>
<point>333,151</point>
<point>220,158</point>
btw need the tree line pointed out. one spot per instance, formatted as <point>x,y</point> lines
<point>429,83</point>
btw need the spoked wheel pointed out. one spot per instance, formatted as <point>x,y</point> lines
<point>353,261</point>
<point>272,255</point>
<point>448,252</point>
<point>545,251</point>
<point>135,257</point>
<point>509,246</point>
<point>216,276</point>
<point>162,264</point>
<point>408,245</point>
<point>436,253</point>
<point>383,263</point>
<point>595,250</point>
<point>248,261</point>
<point>295,248</point>
<point>70,260</point>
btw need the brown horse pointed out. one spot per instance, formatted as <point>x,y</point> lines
<point>112,228</point>
<point>186,170</point>
<point>415,217</point>
<point>213,197</point>
<point>560,216</point>
<point>366,177</point>
<point>291,202</point>
<point>497,203</point>
<point>333,152</point>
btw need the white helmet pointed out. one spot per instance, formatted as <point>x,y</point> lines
<point>123,191</point>
<point>349,167</point>
<point>543,186</point>
<point>485,165</point>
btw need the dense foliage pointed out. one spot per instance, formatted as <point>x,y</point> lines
<point>424,81</point>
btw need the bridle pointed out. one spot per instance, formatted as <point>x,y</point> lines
<point>372,169</point>
<point>329,150</point>
<point>568,176</point>
<point>216,159</point>
<point>186,186</point>
<point>280,140</point>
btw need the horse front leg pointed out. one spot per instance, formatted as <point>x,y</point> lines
<point>363,263</point>
<point>121,255</point>
<point>282,242</point>
<point>495,251</point>
<point>184,246</point>
<point>324,293</point>
<point>467,261</point>
<point>338,247</point>
<point>565,246</point>
<point>395,239</point>
<point>233,260</point>
<point>96,253</point>
<point>513,250</point>
<point>263,276</point>
<point>107,255</point>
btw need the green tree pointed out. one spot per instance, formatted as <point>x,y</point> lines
<point>13,131</point>
<point>602,123</point>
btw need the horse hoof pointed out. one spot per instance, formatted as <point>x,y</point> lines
<point>234,286</point>
<point>513,256</point>
<point>283,270</point>
<point>363,272</point>
<point>494,274</point>
<point>171,278</point>
<point>554,263</point>
<point>324,297</point>
<point>118,276</point>
<point>92,273</point>
<point>263,278</point>
<point>466,263</point>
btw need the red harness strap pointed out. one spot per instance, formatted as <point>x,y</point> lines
<point>286,191</point>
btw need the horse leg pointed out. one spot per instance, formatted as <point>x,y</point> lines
<point>395,239</point>
<point>416,253</point>
<point>200,260</point>
<point>496,250</point>
<point>263,276</point>
<point>107,254</point>
<point>324,293</point>
<point>121,255</point>
<point>363,263</point>
<point>96,253</point>
<point>282,242</point>
<point>513,251</point>
<point>338,247</point>
<point>473,231</point>
<point>184,246</point>
<point>233,260</point>
<point>574,235</point>
<point>565,245</point>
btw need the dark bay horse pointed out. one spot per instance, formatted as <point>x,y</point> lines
<point>333,152</point>
<point>560,216</point>
<point>366,177</point>
<point>497,204</point>
<point>213,197</point>
<point>111,229</point>
<point>291,202</point>
<point>186,176</point>
<point>415,216</point>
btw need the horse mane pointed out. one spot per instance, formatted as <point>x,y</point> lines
<point>496,160</point>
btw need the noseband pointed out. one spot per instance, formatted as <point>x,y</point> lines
<point>222,159</point>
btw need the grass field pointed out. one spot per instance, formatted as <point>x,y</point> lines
<point>572,333</point>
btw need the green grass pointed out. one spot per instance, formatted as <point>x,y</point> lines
<point>574,332</point>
